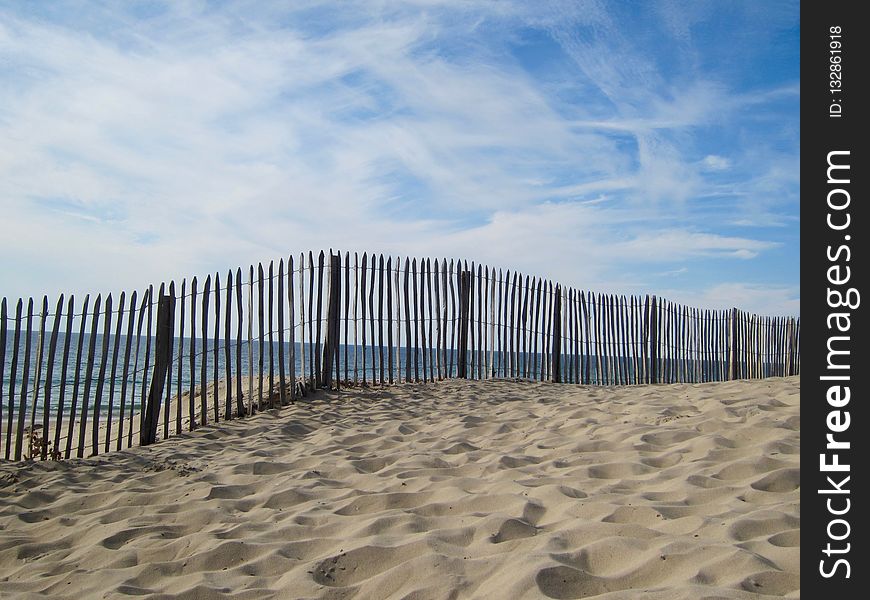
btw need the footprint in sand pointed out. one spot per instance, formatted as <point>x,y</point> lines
<point>513,529</point>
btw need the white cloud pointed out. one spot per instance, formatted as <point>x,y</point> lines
<point>713,162</point>
<point>762,299</point>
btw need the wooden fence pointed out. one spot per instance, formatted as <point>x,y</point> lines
<point>103,375</point>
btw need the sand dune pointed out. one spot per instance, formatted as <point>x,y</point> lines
<point>455,490</point>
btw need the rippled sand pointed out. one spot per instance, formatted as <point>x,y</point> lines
<point>459,489</point>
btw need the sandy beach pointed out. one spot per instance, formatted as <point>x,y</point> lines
<point>460,489</point>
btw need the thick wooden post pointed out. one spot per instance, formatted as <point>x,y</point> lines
<point>557,335</point>
<point>464,296</point>
<point>162,362</point>
<point>333,309</point>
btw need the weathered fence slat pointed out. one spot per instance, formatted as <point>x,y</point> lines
<point>347,315</point>
<point>76,375</point>
<point>240,402</point>
<point>336,318</point>
<point>89,374</point>
<point>416,306</point>
<point>506,325</point>
<point>228,350</point>
<point>471,303</point>
<point>13,377</point>
<point>423,341</point>
<point>333,306</point>
<point>49,373</point>
<point>271,314</point>
<point>25,378</point>
<point>125,370</point>
<point>64,365</point>
<point>437,317</point>
<point>609,340</point>
<point>167,405</point>
<point>454,321</point>
<point>389,275</point>
<point>534,325</point>
<point>397,280</point>
<point>251,404</point>
<point>203,392</point>
<point>292,318</point>
<point>301,317</point>
<point>149,303</point>
<point>432,344</point>
<point>482,321</point>
<point>216,348</point>
<point>398,292</point>
<point>512,331</point>
<point>362,305</point>
<point>191,397</point>
<point>179,387</point>
<point>490,284</point>
<point>3,319</point>
<point>557,335</point>
<point>372,317</point>
<point>326,377</point>
<point>312,377</point>
<point>318,367</point>
<point>444,319</point>
<point>464,293</point>
<point>281,372</point>
<point>575,310</point>
<point>355,316</point>
<point>381,317</point>
<point>407,305</point>
<point>624,349</point>
<point>37,376</point>
<point>261,333</point>
<point>113,370</point>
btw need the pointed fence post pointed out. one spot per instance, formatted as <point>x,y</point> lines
<point>653,341</point>
<point>464,296</point>
<point>733,374</point>
<point>557,335</point>
<point>333,310</point>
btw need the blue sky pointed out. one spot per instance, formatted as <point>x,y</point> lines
<point>633,147</point>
